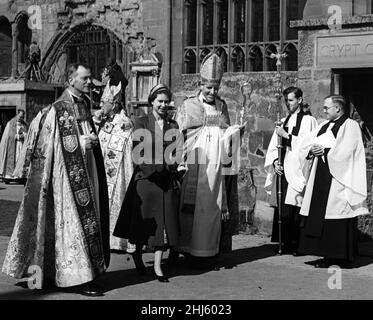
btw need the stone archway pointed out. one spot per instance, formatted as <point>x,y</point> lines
<point>89,44</point>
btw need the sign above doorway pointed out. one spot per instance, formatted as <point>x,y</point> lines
<point>344,51</point>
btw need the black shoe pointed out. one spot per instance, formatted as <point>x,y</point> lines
<point>286,251</point>
<point>323,263</point>
<point>173,258</point>
<point>22,284</point>
<point>140,267</point>
<point>90,291</point>
<point>141,271</point>
<point>160,278</point>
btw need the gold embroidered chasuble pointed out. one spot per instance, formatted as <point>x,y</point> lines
<point>58,227</point>
<point>116,144</point>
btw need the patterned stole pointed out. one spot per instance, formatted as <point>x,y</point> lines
<point>79,181</point>
<point>115,147</point>
<point>190,192</point>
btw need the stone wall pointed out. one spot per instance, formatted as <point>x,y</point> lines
<point>157,25</point>
<point>12,99</point>
<point>315,83</point>
<point>260,115</point>
<point>27,95</point>
<point>37,100</point>
<point>319,8</point>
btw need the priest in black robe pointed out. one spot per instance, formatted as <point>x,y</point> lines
<point>336,190</point>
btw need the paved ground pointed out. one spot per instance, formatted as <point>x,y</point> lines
<point>251,271</point>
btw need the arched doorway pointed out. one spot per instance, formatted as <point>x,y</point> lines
<point>5,48</point>
<point>88,44</point>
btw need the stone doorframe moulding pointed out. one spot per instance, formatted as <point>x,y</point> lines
<point>124,20</point>
<point>55,47</point>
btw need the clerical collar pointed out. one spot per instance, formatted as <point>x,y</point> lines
<point>340,119</point>
<point>74,96</point>
<point>82,98</point>
<point>81,109</point>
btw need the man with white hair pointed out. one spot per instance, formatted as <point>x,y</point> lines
<point>209,201</point>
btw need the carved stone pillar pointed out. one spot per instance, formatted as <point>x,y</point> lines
<point>14,50</point>
<point>134,85</point>
<point>21,52</point>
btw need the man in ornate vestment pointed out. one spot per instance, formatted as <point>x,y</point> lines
<point>11,144</point>
<point>62,227</point>
<point>115,134</point>
<point>23,162</point>
<point>292,130</point>
<point>209,199</point>
<point>336,189</point>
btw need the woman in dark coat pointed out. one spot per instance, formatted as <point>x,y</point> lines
<point>149,210</point>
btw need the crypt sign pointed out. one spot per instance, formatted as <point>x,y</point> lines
<point>344,51</point>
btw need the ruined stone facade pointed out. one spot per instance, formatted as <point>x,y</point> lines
<point>127,25</point>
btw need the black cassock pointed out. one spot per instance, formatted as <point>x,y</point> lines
<point>329,238</point>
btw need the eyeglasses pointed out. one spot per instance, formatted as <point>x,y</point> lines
<point>327,108</point>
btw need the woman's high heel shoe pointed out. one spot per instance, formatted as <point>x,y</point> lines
<point>160,278</point>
